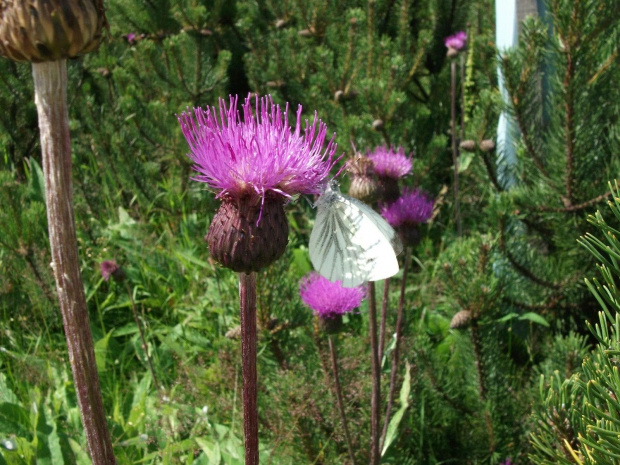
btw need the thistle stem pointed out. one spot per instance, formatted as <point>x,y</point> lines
<point>343,416</point>
<point>455,157</point>
<point>384,307</point>
<point>396,352</point>
<point>50,84</point>
<point>247,301</point>
<point>143,338</point>
<point>375,399</point>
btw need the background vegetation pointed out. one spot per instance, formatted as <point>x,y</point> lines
<point>376,72</point>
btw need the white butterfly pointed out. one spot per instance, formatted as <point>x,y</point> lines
<point>350,242</point>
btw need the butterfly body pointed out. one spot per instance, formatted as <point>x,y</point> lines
<point>350,242</point>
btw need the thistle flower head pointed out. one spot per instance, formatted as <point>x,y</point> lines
<point>329,299</point>
<point>456,42</point>
<point>407,212</point>
<point>258,154</point>
<point>255,164</point>
<point>109,269</point>
<point>413,206</point>
<point>391,163</point>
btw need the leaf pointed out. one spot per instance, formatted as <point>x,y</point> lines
<point>37,181</point>
<point>101,351</point>
<point>535,318</point>
<point>81,456</point>
<point>14,419</point>
<point>398,416</point>
<point>510,316</point>
<point>211,449</point>
<point>465,160</point>
<point>5,391</point>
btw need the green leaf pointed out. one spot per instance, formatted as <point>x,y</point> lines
<point>211,449</point>
<point>398,416</point>
<point>535,318</point>
<point>465,160</point>
<point>37,181</point>
<point>101,351</point>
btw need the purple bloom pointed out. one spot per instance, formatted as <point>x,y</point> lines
<point>131,37</point>
<point>108,268</point>
<point>457,41</point>
<point>389,163</point>
<point>327,298</point>
<point>260,154</point>
<point>413,206</point>
<point>507,462</point>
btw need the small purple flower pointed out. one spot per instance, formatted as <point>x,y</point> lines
<point>131,37</point>
<point>390,163</point>
<point>457,41</point>
<point>329,299</point>
<point>108,268</point>
<point>413,206</point>
<point>507,462</point>
<point>259,154</point>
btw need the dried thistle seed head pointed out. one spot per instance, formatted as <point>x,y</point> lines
<point>280,23</point>
<point>461,320</point>
<point>487,145</point>
<point>468,145</point>
<point>338,95</point>
<point>246,236</point>
<point>50,30</point>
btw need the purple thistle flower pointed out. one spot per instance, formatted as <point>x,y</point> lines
<point>413,206</point>
<point>329,299</point>
<point>109,269</point>
<point>457,41</point>
<point>260,154</point>
<point>390,163</point>
<point>130,37</point>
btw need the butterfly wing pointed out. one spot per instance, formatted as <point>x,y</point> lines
<point>350,242</point>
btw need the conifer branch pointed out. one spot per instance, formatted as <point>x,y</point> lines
<point>521,117</point>
<point>522,268</point>
<point>491,172</point>
<point>569,124</point>
<point>573,208</point>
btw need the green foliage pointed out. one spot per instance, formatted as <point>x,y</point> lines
<point>577,420</point>
<point>376,73</point>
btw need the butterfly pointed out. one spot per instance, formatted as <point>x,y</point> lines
<point>350,242</point>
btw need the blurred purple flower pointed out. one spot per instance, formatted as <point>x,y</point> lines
<point>507,462</point>
<point>130,37</point>
<point>413,206</point>
<point>390,163</point>
<point>457,41</point>
<point>108,268</point>
<point>260,154</point>
<point>329,299</point>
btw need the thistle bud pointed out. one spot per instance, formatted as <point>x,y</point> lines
<point>247,236</point>
<point>306,32</point>
<point>364,185</point>
<point>461,320</point>
<point>468,145</point>
<point>378,124</point>
<point>50,30</point>
<point>487,145</point>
